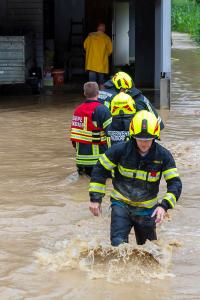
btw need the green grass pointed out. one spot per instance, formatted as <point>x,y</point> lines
<point>186,17</point>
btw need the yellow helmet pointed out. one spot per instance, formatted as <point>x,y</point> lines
<point>122,104</point>
<point>144,125</point>
<point>122,80</point>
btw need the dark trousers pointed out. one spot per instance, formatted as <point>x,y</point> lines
<point>122,221</point>
<point>84,170</point>
<point>95,76</point>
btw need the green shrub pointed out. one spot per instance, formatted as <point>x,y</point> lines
<point>186,17</point>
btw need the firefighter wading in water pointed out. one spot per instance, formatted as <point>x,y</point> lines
<point>89,122</point>
<point>122,82</point>
<point>138,165</point>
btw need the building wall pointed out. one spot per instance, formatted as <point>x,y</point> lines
<point>24,16</point>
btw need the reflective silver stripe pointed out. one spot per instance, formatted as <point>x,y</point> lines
<point>146,101</point>
<point>97,187</point>
<point>171,199</point>
<point>81,131</point>
<point>146,204</point>
<point>153,178</point>
<point>88,139</point>
<point>126,172</point>
<point>108,142</point>
<point>95,150</point>
<point>138,174</point>
<point>77,148</point>
<point>106,163</point>
<point>84,138</point>
<point>86,162</point>
<point>81,137</point>
<point>85,156</point>
<point>131,173</point>
<point>85,123</point>
<point>107,104</point>
<point>106,123</point>
<point>85,132</point>
<point>151,110</point>
<point>170,173</point>
<point>141,175</point>
<point>159,119</point>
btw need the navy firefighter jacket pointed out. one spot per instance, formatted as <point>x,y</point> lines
<point>141,102</point>
<point>136,178</point>
<point>118,130</point>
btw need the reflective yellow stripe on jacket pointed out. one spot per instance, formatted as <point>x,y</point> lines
<point>87,159</point>
<point>88,136</point>
<point>145,204</point>
<point>89,162</point>
<point>106,163</point>
<point>97,187</point>
<point>170,173</point>
<point>107,122</point>
<point>95,150</point>
<point>138,174</point>
<point>171,199</point>
<point>108,142</point>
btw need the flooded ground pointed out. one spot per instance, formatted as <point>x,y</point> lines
<point>51,247</point>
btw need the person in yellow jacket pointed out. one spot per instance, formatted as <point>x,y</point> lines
<point>98,47</point>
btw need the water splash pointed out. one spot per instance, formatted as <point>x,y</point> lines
<point>126,263</point>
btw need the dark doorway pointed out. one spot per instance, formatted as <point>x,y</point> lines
<point>145,43</point>
<point>97,12</point>
<point>49,20</point>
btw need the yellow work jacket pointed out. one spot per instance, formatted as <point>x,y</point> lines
<point>98,47</point>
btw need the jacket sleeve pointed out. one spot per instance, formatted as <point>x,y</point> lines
<point>97,187</point>
<point>101,117</point>
<point>101,171</point>
<point>174,185</point>
<point>143,103</point>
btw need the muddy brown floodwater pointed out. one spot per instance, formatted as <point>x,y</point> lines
<point>51,247</point>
